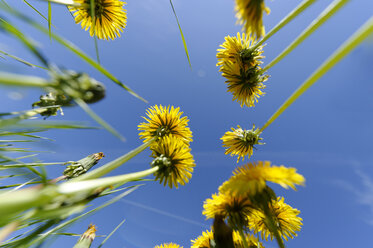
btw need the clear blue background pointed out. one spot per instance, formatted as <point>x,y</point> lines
<point>326,134</point>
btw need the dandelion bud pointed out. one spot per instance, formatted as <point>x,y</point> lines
<point>87,237</point>
<point>80,167</point>
<point>241,142</point>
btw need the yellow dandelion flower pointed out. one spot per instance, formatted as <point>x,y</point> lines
<point>203,241</point>
<point>165,121</point>
<point>251,178</point>
<point>241,142</point>
<point>109,17</point>
<point>239,63</point>
<point>250,239</point>
<point>235,208</point>
<point>175,161</point>
<point>169,245</point>
<point>245,85</point>
<point>239,50</point>
<point>250,14</point>
<point>285,217</point>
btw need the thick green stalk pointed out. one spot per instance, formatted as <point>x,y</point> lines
<point>20,80</point>
<point>358,37</point>
<point>273,227</point>
<point>299,9</point>
<point>73,187</point>
<point>321,19</point>
<point>105,169</point>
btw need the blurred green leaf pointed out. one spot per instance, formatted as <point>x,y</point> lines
<point>182,35</point>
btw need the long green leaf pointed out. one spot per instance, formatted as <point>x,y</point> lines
<point>11,29</point>
<point>321,19</point>
<point>75,50</point>
<point>50,20</point>
<point>298,10</point>
<point>182,35</point>
<point>84,215</point>
<point>115,229</point>
<point>358,37</point>
<point>21,60</point>
<point>98,119</point>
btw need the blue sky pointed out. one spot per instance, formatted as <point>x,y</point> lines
<point>326,134</point>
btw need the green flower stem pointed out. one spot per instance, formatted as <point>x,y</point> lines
<point>358,37</point>
<point>272,226</point>
<point>64,2</point>
<point>105,169</point>
<point>299,9</point>
<point>76,187</point>
<point>34,197</point>
<point>321,19</point>
<point>19,80</point>
<point>243,237</point>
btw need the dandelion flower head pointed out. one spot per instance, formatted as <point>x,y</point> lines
<point>250,14</point>
<point>251,178</point>
<point>239,63</point>
<point>286,219</point>
<point>203,241</point>
<point>241,142</point>
<point>239,50</point>
<point>169,245</point>
<point>235,208</point>
<point>164,121</point>
<point>174,160</point>
<point>109,17</point>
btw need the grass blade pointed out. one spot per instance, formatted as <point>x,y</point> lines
<point>98,119</point>
<point>21,60</point>
<point>358,37</point>
<point>115,229</point>
<point>11,29</point>
<point>50,20</point>
<point>182,35</point>
<point>321,19</point>
<point>298,10</point>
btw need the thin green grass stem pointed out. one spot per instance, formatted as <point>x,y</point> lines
<point>69,222</point>
<point>98,119</point>
<point>243,237</point>
<point>50,20</point>
<point>115,229</point>
<point>105,169</point>
<point>358,37</point>
<point>72,47</point>
<point>20,80</point>
<point>320,20</point>
<point>299,9</point>
<point>182,35</point>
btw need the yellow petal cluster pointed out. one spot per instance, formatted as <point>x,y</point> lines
<point>175,161</point>
<point>252,177</point>
<point>250,14</point>
<point>239,62</point>
<point>286,218</point>
<point>241,142</point>
<point>164,121</point>
<point>109,17</point>
<point>203,241</point>
<point>169,245</point>
<point>235,208</point>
